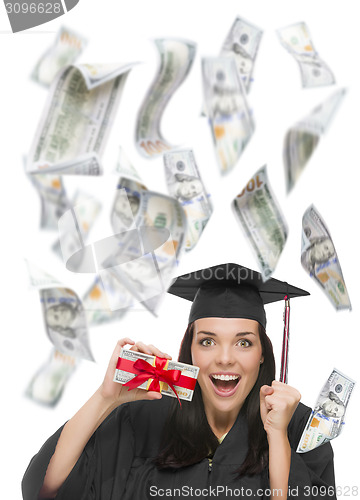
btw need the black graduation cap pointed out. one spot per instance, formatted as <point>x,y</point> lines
<point>231,291</point>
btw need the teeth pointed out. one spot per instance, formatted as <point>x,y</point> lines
<point>225,377</point>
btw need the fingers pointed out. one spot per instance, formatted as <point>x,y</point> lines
<point>265,392</point>
<point>279,395</point>
<point>138,394</point>
<point>120,344</point>
<point>149,349</point>
<point>286,391</point>
<point>153,395</point>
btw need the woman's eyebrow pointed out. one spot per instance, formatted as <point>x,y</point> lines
<point>239,334</point>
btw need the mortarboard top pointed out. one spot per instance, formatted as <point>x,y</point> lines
<point>231,291</point>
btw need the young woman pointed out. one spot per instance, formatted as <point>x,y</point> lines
<point>236,438</point>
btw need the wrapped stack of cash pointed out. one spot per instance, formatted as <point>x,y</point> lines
<point>159,375</point>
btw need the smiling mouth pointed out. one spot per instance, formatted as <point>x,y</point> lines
<point>225,385</point>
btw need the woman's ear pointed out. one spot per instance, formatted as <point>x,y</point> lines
<point>261,360</point>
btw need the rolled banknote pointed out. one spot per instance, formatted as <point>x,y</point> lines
<point>106,300</point>
<point>320,260</point>
<point>65,50</point>
<point>53,198</point>
<point>302,139</point>
<point>47,385</point>
<point>242,43</point>
<point>86,210</point>
<point>314,72</point>
<point>262,221</point>
<point>77,119</point>
<point>328,417</point>
<point>230,118</point>
<point>185,184</point>
<point>184,386</point>
<point>64,315</point>
<point>176,58</point>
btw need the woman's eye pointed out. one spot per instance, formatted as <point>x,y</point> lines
<point>207,342</point>
<point>244,343</point>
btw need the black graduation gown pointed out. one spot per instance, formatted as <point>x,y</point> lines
<point>116,464</point>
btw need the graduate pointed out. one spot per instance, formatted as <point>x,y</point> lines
<point>236,438</point>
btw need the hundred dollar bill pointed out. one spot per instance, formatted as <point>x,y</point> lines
<point>230,118</point>
<point>176,58</point>
<point>314,72</point>
<point>185,184</point>
<point>47,385</point>
<point>126,204</point>
<point>328,417</point>
<point>122,376</point>
<point>65,50</point>
<point>262,220</point>
<point>53,198</point>
<point>64,315</point>
<point>144,259</point>
<point>77,119</point>
<point>320,260</point>
<point>65,321</point>
<point>242,43</point>
<point>85,211</point>
<point>106,300</point>
<point>302,139</point>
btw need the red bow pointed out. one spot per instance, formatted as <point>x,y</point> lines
<point>157,373</point>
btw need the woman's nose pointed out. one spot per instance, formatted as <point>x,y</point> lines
<point>225,356</point>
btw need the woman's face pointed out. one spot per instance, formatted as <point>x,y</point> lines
<point>228,352</point>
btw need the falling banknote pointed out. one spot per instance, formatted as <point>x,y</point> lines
<point>66,49</point>
<point>106,300</point>
<point>229,116</point>
<point>301,139</point>
<point>64,315</point>
<point>86,209</point>
<point>126,204</point>
<point>176,58</point>
<point>144,259</point>
<point>53,198</point>
<point>320,260</point>
<point>242,43</point>
<point>261,218</point>
<point>328,417</point>
<point>77,119</point>
<point>47,385</point>
<point>314,72</point>
<point>185,184</point>
<point>125,168</point>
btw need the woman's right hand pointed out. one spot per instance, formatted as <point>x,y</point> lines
<point>117,393</point>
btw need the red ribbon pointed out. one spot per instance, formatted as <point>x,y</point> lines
<point>157,373</point>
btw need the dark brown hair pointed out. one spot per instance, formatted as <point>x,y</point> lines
<point>187,436</point>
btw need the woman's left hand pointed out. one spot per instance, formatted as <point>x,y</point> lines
<point>277,405</point>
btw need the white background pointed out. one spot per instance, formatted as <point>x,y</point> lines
<point>321,338</point>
